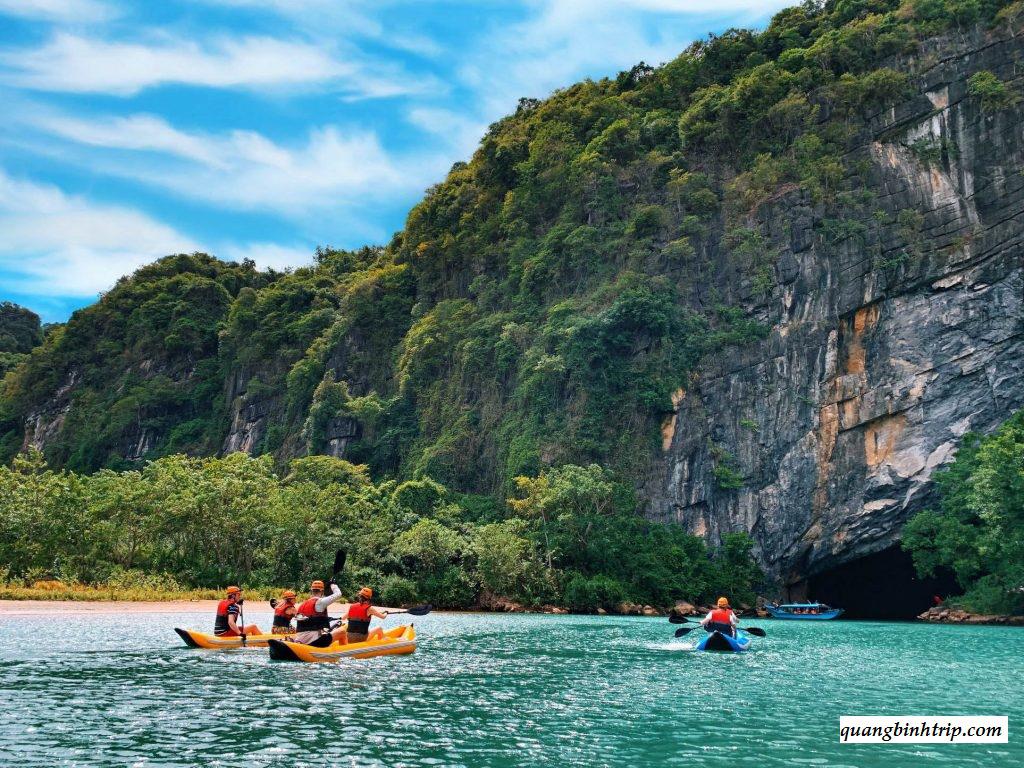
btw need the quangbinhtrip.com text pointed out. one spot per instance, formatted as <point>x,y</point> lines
<point>922,729</point>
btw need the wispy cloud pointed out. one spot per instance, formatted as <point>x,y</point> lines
<point>58,10</point>
<point>77,64</point>
<point>330,170</point>
<point>57,244</point>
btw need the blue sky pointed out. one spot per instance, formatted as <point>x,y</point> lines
<point>263,128</point>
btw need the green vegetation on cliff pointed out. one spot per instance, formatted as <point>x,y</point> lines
<point>542,303</point>
<point>572,537</point>
<point>20,332</point>
<point>977,531</point>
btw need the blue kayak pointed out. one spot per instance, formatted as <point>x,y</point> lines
<point>716,641</point>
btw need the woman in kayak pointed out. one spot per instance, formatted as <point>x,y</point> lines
<point>359,615</point>
<point>284,613</point>
<point>721,619</point>
<point>311,616</point>
<point>229,613</point>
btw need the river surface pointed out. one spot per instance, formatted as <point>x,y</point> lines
<point>498,690</point>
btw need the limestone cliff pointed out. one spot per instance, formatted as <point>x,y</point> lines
<point>870,376</point>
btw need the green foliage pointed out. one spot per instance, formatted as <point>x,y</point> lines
<point>20,330</point>
<point>991,92</point>
<point>180,523</point>
<point>726,471</point>
<point>977,531</point>
<point>586,595</point>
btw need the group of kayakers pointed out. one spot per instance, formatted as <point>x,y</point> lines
<point>310,616</point>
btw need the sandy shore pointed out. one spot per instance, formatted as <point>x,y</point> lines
<point>99,607</point>
<point>35,607</point>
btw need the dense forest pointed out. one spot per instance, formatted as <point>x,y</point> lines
<point>535,317</point>
<point>571,536</point>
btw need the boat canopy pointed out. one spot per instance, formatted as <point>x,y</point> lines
<point>801,605</point>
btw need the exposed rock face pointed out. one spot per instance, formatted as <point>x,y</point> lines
<point>871,375</point>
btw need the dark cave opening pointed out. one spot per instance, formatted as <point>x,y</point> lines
<point>883,585</point>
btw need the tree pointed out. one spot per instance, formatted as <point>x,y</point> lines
<point>978,529</point>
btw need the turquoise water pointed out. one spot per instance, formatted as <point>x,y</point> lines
<point>498,690</point>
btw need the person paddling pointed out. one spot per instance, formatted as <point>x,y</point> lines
<point>229,614</point>
<point>721,619</point>
<point>311,616</point>
<point>360,614</point>
<point>284,612</point>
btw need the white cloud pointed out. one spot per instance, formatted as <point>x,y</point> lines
<point>57,10</point>
<point>57,244</point>
<point>71,63</point>
<point>135,132</point>
<point>331,170</point>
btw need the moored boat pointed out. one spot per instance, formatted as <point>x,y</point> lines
<point>396,642</point>
<point>716,641</point>
<point>808,611</point>
<point>195,639</point>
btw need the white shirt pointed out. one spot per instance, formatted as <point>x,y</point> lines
<point>323,602</point>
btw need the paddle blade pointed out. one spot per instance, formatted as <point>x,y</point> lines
<point>673,619</point>
<point>420,610</point>
<point>339,562</point>
<point>755,631</point>
<point>273,602</point>
<point>322,642</point>
<point>684,630</point>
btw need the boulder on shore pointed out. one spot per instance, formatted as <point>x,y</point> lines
<point>950,615</point>
<point>682,609</point>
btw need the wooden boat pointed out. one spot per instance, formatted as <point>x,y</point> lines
<point>806,611</point>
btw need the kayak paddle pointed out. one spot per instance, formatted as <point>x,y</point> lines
<point>339,563</point>
<point>674,619</point>
<point>755,631</point>
<point>419,610</point>
<point>241,618</point>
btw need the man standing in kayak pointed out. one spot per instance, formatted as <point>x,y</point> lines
<point>284,612</point>
<point>721,619</point>
<point>229,614</point>
<point>359,615</point>
<point>312,616</point>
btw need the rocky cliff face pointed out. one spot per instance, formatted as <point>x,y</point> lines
<point>886,346</point>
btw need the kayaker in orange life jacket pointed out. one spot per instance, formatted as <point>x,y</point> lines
<point>284,612</point>
<point>359,615</point>
<point>721,619</point>
<point>228,616</point>
<point>311,617</point>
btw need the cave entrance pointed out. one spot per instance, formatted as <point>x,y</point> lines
<point>883,585</point>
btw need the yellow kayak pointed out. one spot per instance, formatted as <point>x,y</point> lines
<point>195,639</point>
<point>396,642</point>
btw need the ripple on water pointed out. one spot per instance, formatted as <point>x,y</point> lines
<point>498,690</point>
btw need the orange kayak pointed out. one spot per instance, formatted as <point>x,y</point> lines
<point>196,639</point>
<point>396,642</point>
